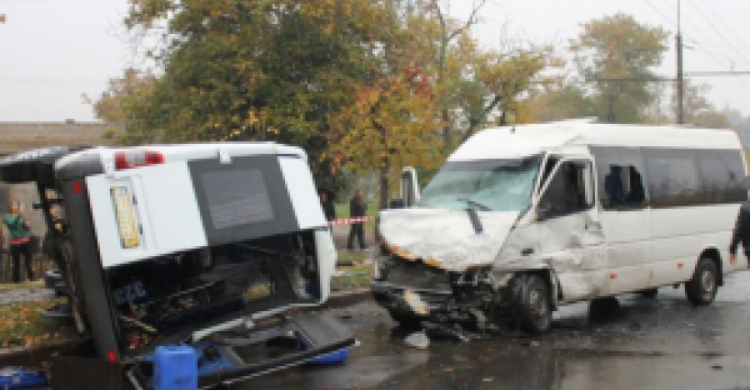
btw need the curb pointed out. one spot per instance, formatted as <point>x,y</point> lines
<point>347,298</point>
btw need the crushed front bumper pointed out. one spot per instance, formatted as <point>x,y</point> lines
<point>415,303</point>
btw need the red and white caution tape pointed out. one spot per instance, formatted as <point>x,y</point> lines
<point>347,221</point>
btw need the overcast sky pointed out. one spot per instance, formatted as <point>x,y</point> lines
<point>54,51</point>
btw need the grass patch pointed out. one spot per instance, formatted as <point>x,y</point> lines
<point>352,256</point>
<point>22,325</point>
<point>352,278</point>
<point>35,285</point>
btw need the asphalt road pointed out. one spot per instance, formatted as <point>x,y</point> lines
<point>662,343</point>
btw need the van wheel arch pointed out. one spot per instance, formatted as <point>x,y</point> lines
<point>531,301</point>
<point>715,256</point>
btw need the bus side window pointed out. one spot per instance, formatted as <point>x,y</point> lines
<point>622,178</point>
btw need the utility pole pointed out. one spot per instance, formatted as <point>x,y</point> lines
<point>680,80</point>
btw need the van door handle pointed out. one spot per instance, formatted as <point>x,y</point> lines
<point>527,251</point>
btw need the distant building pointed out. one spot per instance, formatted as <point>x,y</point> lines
<point>16,137</point>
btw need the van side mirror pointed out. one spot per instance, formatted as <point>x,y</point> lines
<point>396,203</point>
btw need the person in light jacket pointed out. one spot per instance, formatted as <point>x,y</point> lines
<point>19,237</point>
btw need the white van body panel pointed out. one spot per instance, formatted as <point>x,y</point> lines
<point>300,185</point>
<point>167,210</point>
<point>590,254</point>
<point>444,237</point>
<point>165,199</point>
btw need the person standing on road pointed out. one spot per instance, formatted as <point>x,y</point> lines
<point>357,209</point>
<point>741,233</point>
<point>19,235</point>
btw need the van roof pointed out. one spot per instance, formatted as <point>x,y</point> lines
<point>526,140</point>
<point>187,152</point>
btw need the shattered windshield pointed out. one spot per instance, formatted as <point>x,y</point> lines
<point>489,185</point>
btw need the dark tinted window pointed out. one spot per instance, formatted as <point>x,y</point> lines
<point>722,173</point>
<point>621,178</point>
<point>242,200</point>
<point>238,197</point>
<point>569,190</point>
<point>673,177</point>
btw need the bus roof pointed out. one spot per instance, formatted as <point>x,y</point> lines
<point>526,140</point>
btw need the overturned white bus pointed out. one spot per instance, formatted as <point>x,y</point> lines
<point>522,219</point>
<point>202,245</point>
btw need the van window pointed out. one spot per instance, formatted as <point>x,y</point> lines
<point>621,178</point>
<point>569,190</point>
<point>722,173</point>
<point>673,177</point>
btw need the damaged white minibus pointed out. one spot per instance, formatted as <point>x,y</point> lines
<point>205,245</point>
<point>522,219</point>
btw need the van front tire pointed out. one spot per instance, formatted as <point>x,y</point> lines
<point>701,289</point>
<point>534,306</point>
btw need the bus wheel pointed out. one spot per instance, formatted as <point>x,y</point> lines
<point>535,308</point>
<point>701,289</point>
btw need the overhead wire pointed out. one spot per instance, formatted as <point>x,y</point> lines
<point>713,57</point>
<point>716,29</point>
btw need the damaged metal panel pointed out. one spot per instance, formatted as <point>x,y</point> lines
<point>445,238</point>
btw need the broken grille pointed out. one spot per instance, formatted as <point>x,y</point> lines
<point>415,274</point>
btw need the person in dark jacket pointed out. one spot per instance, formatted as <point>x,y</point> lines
<point>741,233</point>
<point>326,199</point>
<point>357,209</point>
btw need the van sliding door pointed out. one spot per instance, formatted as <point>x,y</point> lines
<point>626,217</point>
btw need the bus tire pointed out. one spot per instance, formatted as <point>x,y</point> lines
<point>534,306</point>
<point>701,289</point>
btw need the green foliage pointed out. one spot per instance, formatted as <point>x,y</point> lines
<point>256,70</point>
<point>618,47</point>
<point>700,112</point>
<point>22,325</point>
<point>357,83</point>
<point>562,102</point>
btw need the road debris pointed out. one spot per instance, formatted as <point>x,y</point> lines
<point>417,340</point>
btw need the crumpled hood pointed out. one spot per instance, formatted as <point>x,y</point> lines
<point>445,238</point>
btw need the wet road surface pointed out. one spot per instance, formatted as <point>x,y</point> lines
<point>661,343</point>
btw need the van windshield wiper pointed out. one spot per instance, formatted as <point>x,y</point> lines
<point>476,204</point>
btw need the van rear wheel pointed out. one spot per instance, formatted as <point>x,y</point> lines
<point>701,289</point>
<point>535,308</point>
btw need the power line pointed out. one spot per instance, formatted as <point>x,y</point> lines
<point>663,15</point>
<point>714,44</point>
<point>703,16</point>
<point>712,73</point>
<point>713,26</point>
<point>726,26</point>
<point>721,55</point>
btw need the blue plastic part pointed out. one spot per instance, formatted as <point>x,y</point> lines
<point>19,378</point>
<point>337,357</point>
<point>175,368</point>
